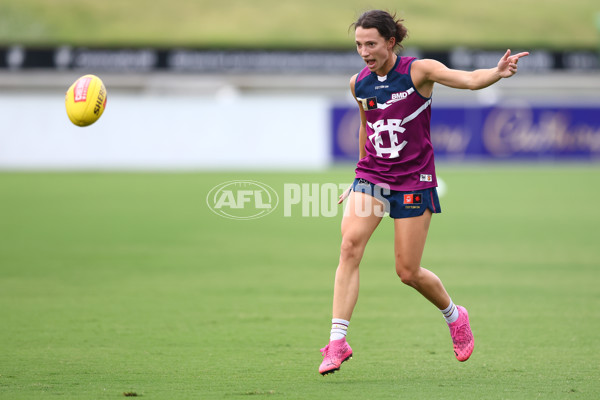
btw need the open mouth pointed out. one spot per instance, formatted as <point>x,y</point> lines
<point>370,63</point>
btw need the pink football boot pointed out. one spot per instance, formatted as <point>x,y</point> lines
<point>462,337</point>
<point>334,354</point>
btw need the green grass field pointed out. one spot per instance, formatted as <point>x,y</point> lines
<point>123,282</point>
<point>293,24</point>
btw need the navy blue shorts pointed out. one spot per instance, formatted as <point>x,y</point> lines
<point>401,204</point>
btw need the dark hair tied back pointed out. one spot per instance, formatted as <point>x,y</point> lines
<point>386,24</point>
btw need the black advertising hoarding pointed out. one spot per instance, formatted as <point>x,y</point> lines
<point>140,60</point>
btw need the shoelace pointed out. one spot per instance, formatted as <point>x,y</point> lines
<point>333,352</point>
<point>460,335</point>
<point>324,350</point>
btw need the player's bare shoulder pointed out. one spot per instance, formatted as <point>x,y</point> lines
<point>353,84</point>
<point>423,68</point>
<point>421,73</point>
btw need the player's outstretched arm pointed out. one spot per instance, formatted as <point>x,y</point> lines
<point>428,72</point>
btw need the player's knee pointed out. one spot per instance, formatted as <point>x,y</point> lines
<point>408,276</point>
<point>351,248</point>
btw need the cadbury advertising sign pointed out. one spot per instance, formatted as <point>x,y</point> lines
<point>510,132</point>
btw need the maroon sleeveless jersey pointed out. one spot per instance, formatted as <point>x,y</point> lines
<point>398,146</point>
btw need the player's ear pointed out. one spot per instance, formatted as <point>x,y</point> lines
<point>391,43</point>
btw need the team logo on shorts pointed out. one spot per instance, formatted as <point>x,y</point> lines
<point>413,198</point>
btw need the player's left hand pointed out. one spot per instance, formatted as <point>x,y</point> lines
<point>344,195</point>
<point>507,66</point>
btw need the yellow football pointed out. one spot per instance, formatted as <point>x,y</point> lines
<point>85,100</point>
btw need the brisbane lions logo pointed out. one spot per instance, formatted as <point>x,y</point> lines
<point>386,133</point>
<point>385,138</point>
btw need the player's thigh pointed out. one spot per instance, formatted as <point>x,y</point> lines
<point>410,235</point>
<point>362,215</point>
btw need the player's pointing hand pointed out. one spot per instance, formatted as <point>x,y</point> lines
<point>507,66</point>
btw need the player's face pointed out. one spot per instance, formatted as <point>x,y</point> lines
<point>375,50</point>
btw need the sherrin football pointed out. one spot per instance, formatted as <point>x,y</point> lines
<point>85,100</point>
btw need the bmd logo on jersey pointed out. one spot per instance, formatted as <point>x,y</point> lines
<point>399,95</point>
<point>242,199</point>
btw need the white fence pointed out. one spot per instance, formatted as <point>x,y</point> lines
<point>157,132</point>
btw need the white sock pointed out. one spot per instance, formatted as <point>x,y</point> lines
<point>450,313</point>
<point>339,328</point>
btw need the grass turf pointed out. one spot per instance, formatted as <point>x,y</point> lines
<point>114,283</point>
<point>292,24</point>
